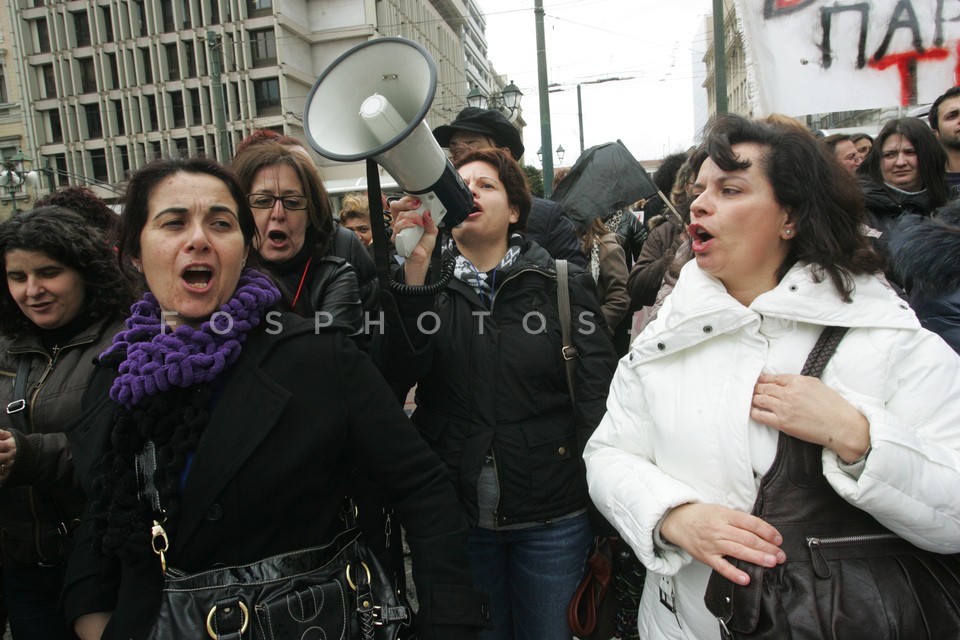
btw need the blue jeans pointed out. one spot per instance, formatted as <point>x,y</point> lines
<point>33,596</point>
<point>531,575</point>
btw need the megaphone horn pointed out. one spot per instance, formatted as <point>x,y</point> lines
<point>370,103</point>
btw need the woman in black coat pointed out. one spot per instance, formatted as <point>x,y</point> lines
<point>493,398</point>
<point>326,270</point>
<point>252,418</point>
<point>903,174</point>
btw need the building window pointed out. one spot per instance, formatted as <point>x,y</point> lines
<point>81,28</point>
<point>62,175</point>
<point>267,96</point>
<point>183,149</point>
<point>176,108</point>
<point>114,69</point>
<point>191,58</point>
<point>214,11</point>
<point>157,151</point>
<point>147,66</point>
<point>124,161</point>
<point>152,112</point>
<point>107,24</point>
<point>199,145</point>
<point>98,160</point>
<point>195,106</point>
<point>173,61</point>
<point>3,85</point>
<point>263,47</point>
<point>94,122</point>
<point>185,8</point>
<point>88,75</point>
<point>166,12</point>
<point>43,36</point>
<point>118,110</point>
<point>56,129</point>
<point>49,82</point>
<point>257,8</point>
<point>233,104</point>
<point>141,16</point>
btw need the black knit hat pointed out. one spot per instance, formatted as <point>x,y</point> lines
<point>488,122</point>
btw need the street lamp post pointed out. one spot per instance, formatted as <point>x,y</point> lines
<point>15,175</point>
<point>508,99</point>
<point>580,99</point>
<point>560,151</point>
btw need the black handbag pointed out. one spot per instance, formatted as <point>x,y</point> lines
<point>337,590</point>
<point>846,575</point>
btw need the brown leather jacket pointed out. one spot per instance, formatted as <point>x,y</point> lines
<point>42,491</point>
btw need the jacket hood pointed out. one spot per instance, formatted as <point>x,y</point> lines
<point>700,308</point>
<point>926,252</point>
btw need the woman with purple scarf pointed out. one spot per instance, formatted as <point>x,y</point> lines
<point>246,416</point>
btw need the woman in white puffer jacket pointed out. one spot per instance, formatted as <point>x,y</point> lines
<point>695,409</point>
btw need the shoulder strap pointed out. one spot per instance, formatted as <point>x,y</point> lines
<point>18,408</point>
<point>822,351</point>
<point>569,352</point>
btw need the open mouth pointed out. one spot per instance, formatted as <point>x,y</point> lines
<point>699,233</point>
<point>197,277</point>
<point>699,237</point>
<point>277,237</point>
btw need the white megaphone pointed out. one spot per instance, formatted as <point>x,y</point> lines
<point>370,103</point>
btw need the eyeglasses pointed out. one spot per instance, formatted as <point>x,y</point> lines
<point>266,201</point>
<point>470,144</point>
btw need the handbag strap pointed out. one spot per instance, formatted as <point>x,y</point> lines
<point>17,409</point>
<point>569,352</point>
<point>822,351</point>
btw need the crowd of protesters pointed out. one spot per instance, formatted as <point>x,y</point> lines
<point>507,329</point>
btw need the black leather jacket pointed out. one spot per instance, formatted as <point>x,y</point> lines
<point>492,381</point>
<point>325,282</point>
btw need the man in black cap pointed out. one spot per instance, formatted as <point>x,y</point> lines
<point>476,128</point>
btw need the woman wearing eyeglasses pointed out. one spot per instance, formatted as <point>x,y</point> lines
<point>296,233</point>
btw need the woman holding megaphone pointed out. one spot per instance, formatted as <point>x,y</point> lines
<point>496,401</point>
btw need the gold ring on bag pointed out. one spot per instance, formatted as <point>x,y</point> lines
<point>243,626</point>
<point>350,580</point>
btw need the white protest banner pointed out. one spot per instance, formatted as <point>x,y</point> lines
<point>817,56</point>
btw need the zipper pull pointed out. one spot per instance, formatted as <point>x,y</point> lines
<point>160,543</point>
<point>820,566</point>
<point>387,528</point>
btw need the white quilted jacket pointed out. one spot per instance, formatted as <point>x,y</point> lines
<point>678,430</point>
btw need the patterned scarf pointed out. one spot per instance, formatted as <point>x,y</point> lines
<point>464,270</point>
<point>158,358</point>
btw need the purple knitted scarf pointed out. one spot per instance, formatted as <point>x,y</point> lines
<point>158,357</point>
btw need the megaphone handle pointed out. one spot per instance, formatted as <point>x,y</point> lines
<point>407,240</point>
